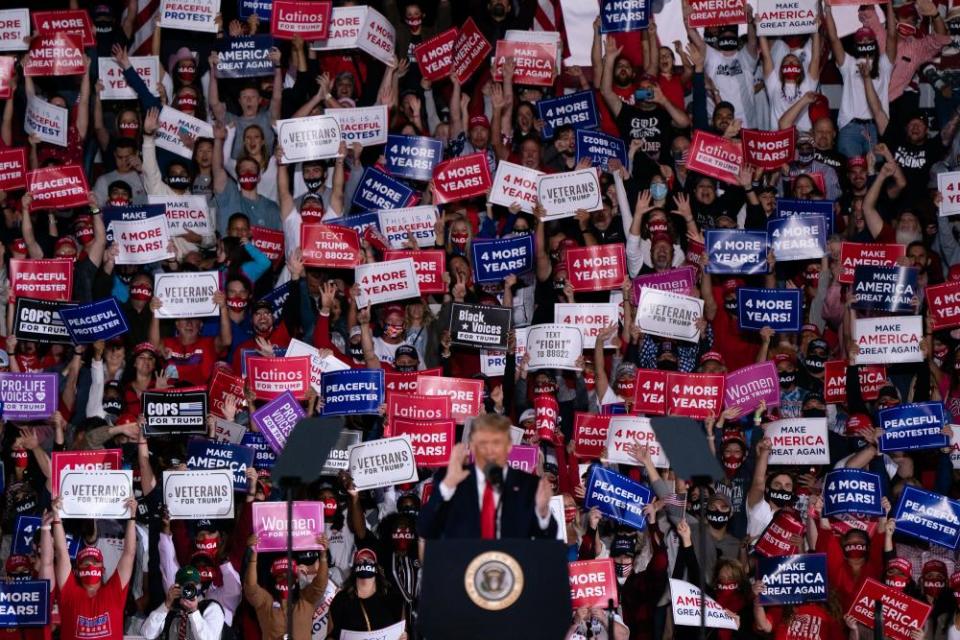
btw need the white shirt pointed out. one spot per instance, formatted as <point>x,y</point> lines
<point>732,75</point>
<point>206,626</point>
<point>853,99</point>
<point>446,493</point>
<point>758,517</point>
<point>782,98</point>
<point>228,594</point>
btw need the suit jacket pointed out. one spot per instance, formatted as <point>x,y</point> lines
<point>460,516</point>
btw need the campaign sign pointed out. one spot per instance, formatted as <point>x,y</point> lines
<point>469,51</point>
<point>309,20</point>
<point>382,463</point>
<point>889,340</point>
<point>943,301</point>
<point>785,18</point>
<point>58,187</point>
<point>554,346</point>
<point>716,13</point>
<point>928,516</point>
<point>477,325</point>
<point>793,579</point>
<point>377,191</point>
<point>174,412</point>
<point>115,86</point>
<point>563,194</point>
<point>366,125</point>
<point>798,441</point>
<point>535,63</point>
<point>680,280</point>
<point>418,408</point>
<point>142,241</point>
<point>174,124</point>
<point>339,458</point>
<point>126,213</point>
<point>697,395</point>
<point>205,455</point>
<point>198,495</point>
<point>190,15</point>
<point>386,281</point>
<point>264,455</point>
<point>407,381</point>
<point>245,57</point>
<point>623,16</point>
<point>669,315</point>
<point>593,583</point>
<point>901,614</point>
<point>187,295</point>
<point>579,110</point>
<point>600,148</point>
<point>461,178</point>
<point>228,432</point>
<point>782,536</point>
<point>617,497</point>
<point>76,22</point>
<point>59,54</point>
<point>24,531</point>
<point>787,208</point>
<point>28,396</point>
<point>523,457</point>
<point>399,224</point>
<point>871,378</point>
<point>100,320</point>
<point>96,494</point>
<point>330,246</point>
<point>94,460</point>
<point>909,427</point>
<point>16,29</point>
<point>435,56</point>
<point>716,156</point>
<point>600,267</point>
<point>13,169</point>
<point>277,418</point>
<point>30,604</point>
<point>352,392</point>
<point>308,138</point>
<point>779,309</point>
<point>735,251</point>
<point>50,279</point>
<point>686,602</point>
<point>185,213</point>
<point>466,396</point>
<point>413,157</point>
<point>261,8</point>
<point>270,525</point>
<point>769,150</point>
<point>46,121</point>
<point>432,441</point>
<point>886,289</point>
<point>430,266</point>
<point>855,254</point>
<point>747,387</point>
<point>797,237</point>
<point>948,184</point>
<point>270,377</point>
<point>7,74</point>
<point>650,392</point>
<point>591,319</point>
<point>852,491</point>
<point>39,320</point>
<point>514,184</point>
<point>269,241</point>
<point>590,435</point>
<point>628,431</point>
<point>495,258</point>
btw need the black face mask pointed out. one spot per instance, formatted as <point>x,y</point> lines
<point>668,365</point>
<point>693,504</point>
<point>521,232</point>
<point>731,306</point>
<point>113,407</point>
<point>365,570</point>
<point>787,379</point>
<point>356,351</point>
<point>499,11</point>
<point>178,182</point>
<point>125,278</point>
<point>866,50</point>
<point>815,364</point>
<point>718,519</point>
<point>805,157</point>
<point>314,185</point>
<point>622,570</point>
<point>814,413</point>
<point>727,42</point>
<point>405,368</point>
<point>710,39</point>
<point>781,498</point>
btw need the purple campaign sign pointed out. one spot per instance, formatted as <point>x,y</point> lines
<point>277,418</point>
<point>270,525</point>
<point>746,387</point>
<point>523,457</point>
<point>28,396</point>
<point>679,280</point>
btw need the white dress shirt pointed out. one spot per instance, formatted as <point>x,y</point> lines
<point>446,493</point>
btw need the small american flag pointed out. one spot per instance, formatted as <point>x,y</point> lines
<point>676,504</point>
<point>143,27</point>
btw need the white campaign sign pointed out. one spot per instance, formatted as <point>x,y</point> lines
<point>172,123</point>
<point>378,37</point>
<point>142,241</point>
<point>346,24</point>
<point>669,315</point>
<point>300,348</point>
<point>798,441</point>
<point>554,346</point>
<point>630,430</point>
<point>420,221</point>
<point>311,138</point>
<point>685,599</point>
<point>785,17</point>
<point>382,463</point>
<point>15,33</point>
<point>847,17</point>
<point>189,15</point>
<point>948,184</point>
<point>366,125</point>
<point>513,183</point>
<point>493,363</point>
<point>47,121</point>
<point>386,281</point>
<point>115,86</point>
<point>590,318</point>
<point>393,632</point>
<point>562,194</point>
<point>556,508</point>
<point>196,495</point>
<point>185,213</point>
<point>226,431</point>
<point>888,340</point>
<point>95,494</point>
<point>187,295</point>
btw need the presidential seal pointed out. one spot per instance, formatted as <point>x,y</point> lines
<point>493,580</point>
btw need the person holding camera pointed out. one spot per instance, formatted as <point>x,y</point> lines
<point>186,614</point>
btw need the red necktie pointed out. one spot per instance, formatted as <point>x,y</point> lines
<point>488,514</point>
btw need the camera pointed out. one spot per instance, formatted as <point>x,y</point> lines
<point>189,591</point>
<point>643,94</point>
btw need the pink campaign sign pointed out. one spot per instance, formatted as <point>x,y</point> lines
<point>523,457</point>
<point>746,387</point>
<point>678,280</point>
<point>270,525</point>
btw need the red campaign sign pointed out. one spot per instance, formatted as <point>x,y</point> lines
<point>469,51</point>
<point>45,279</point>
<point>715,156</point>
<point>547,416</point>
<point>414,406</point>
<point>60,54</point>
<point>435,56</point>
<point>590,435</point>
<point>697,395</point>
<point>332,246</point>
<point>74,22</point>
<point>855,254</point>
<point>535,63</point>
<point>221,386</point>
<point>13,169</point>
<point>461,178</point>
<point>430,266</point>
<point>716,13</point>
<point>57,187</point>
<point>593,583</point>
<point>99,460</point>
<point>944,303</point>
<point>270,377</point>
<point>901,614</point>
<point>309,20</point>
<point>406,382</point>
<point>7,66</point>
<point>432,441</point>
<point>601,267</point>
<point>466,396</point>
<point>783,535</point>
<point>270,242</point>
<point>650,395</point>
<point>769,150</point>
<point>872,377</point>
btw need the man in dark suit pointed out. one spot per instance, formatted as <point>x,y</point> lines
<point>487,499</point>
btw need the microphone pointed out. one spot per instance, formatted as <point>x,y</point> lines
<point>494,474</point>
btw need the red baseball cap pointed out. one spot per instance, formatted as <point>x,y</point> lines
<point>479,120</point>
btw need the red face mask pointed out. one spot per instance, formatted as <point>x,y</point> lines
<point>207,576</point>
<point>283,589</point>
<point>21,458</point>
<point>90,576</point>
<point>791,72</point>
<point>933,586</point>
<point>855,550</point>
<point>906,30</point>
<point>459,239</point>
<point>187,103</point>
<point>187,73</point>
<point>732,463</point>
<point>956,597</point>
<point>237,304</point>
<point>118,202</point>
<point>85,235</point>
<point>311,214</point>
<point>207,545</point>
<point>141,292</point>
<point>129,129</point>
<point>248,181</point>
<point>590,380</point>
<point>570,514</point>
<point>897,582</point>
<point>414,23</point>
<point>329,508</point>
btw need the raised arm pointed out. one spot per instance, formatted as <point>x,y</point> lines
<point>83,101</point>
<point>839,55</point>
<point>870,214</point>
<point>129,554</point>
<point>26,227</point>
<point>606,79</point>
<point>61,556</point>
<point>456,117</point>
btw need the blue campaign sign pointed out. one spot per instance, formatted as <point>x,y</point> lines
<point>352,392</point>
<point>24,604</point>
<point>798,237</point>
<point>617,497</point>
<point>928,516</point>
<point>263,454</point>
<point>26,527</point>
<point>413,157</point>
<point>203,454</point>
<point>620,16</point>
<point>100,320</point>
<point>852,491</point>
<point>579,110</point>
<point>378,191</point>
<point>600,148</point>
<point>494,259</point>
<point>360,222</point>
<point>277,298</point>
<point>263,9</point>
<point>130,212</point>
<point>779,309</point>
<point>734,251</point>
<point>614,409</point>
<point>245,57</point>
<point>788,208</point>
<point>793,579</point>
<point>908,427</point>
<point>887,289</point>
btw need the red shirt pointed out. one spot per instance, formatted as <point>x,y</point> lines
<point>96,618</point>
<point>279,337</point>
<point>194,363</point>
<point>810,621</point>
<point>738,348</point>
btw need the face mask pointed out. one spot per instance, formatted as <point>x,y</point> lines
<point>414,23</point>
<point>21,458</point>
<point>667,365</point>
<point>866,49</point>
<point>791,72</point>
<point>728,42</point>
<point>956,597</point>
<point>727,586</point>
<point>787,379</point>
<point>521,232</point>
<point>178,182</point>
<point>407,368</point>
<point>855,550</point>
<point>186,103</point>
<point>141,292</point>
<point>84,235</point>
<point>499,11</point>
<point>129,129</point>
<point>402,539</point>
<point>113,407</point>
<point>207,545</point>
<point>459,239</point>
<point>282,589</point>
<point>693,504</point>
<point>933,586</point>
<point>21,577</point>
<point>717,519</point>
<point>732,463</point>
<point>314,185</point>
<point>805,157</point>
<point>658,190</point>
<point>90,576</point>
<point>897,582</point>
<point>546,388</point>
<point>187,74</point>
<point>311,213</point>
<point>236,304</point>
<point>814,413</point>
<point>815,364</point>
<point>329,508</point>
<point>356,351</point>
<point>906,30</point>
<point>410,510</point>
<point>622,570</point>
<point>780,497</point>
<point>731,306</point>
<point>569,514</point>
<point>365,570</point>
<point>392,331</point>
<point>248,181</point>
<point>118,201</point>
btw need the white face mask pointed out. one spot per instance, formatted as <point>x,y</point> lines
<point>304,580</point>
